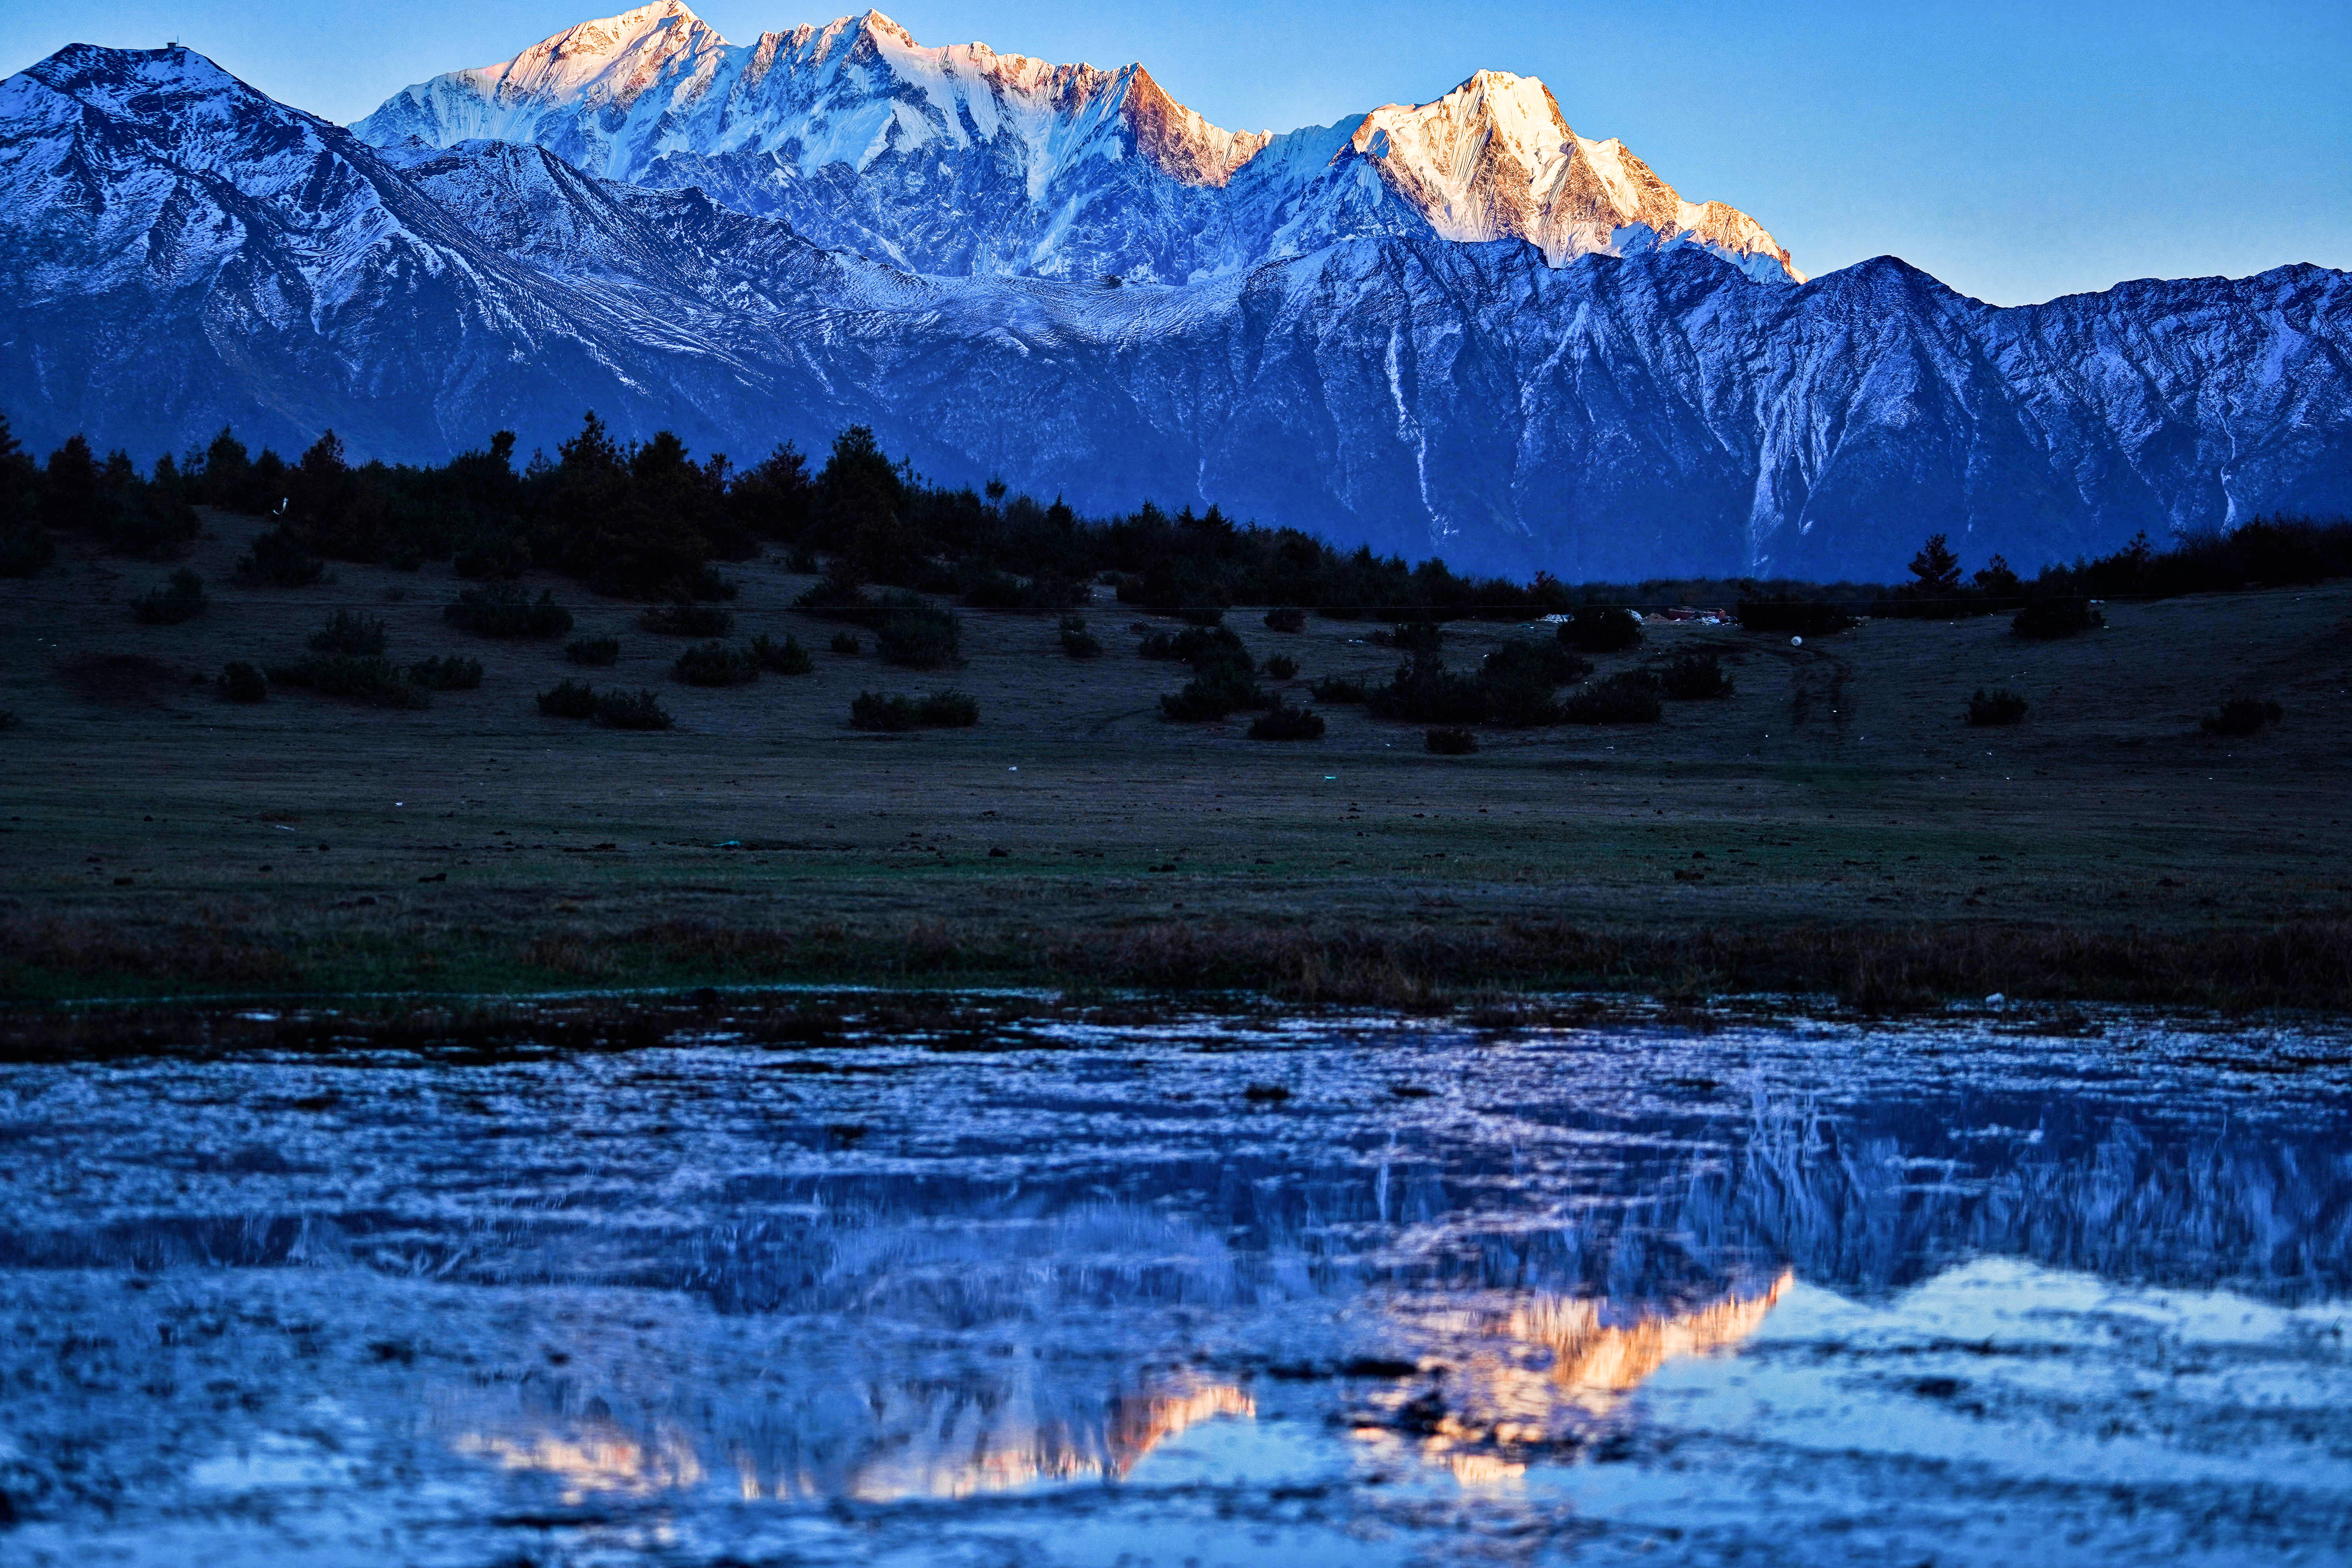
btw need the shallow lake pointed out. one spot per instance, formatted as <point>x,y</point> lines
<point>1358,1291</point>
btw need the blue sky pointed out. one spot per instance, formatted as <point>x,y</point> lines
<point>2017,150</point>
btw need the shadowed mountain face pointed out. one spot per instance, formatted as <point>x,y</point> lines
<point>178,251</point>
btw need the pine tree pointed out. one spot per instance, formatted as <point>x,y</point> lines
<point>1936,568</point>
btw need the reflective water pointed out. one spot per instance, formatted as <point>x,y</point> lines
<point>1805,1294</point>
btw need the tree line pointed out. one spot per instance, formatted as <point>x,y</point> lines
<point>649,520</point>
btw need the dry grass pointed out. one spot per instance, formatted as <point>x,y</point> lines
<point>1834,826</point>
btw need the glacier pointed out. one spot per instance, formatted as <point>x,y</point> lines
<point>1419,329</point>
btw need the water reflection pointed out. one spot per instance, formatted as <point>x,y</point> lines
<point>638,1284</point>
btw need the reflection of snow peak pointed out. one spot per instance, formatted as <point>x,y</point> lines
<point>926,1441</point>
<point>1600,1359</point>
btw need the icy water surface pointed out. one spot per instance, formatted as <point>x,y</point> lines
<point>1805,1294</point>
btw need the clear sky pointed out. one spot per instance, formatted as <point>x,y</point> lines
<point>2017,150</point>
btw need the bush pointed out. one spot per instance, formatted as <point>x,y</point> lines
<point>1421,692</point>
<point>940,710</point>
<point>683,619</point>
<point>26,550</point>
<point>1630,698</point>
<point>1412,636</point>
<point>1455,742</point>
<point>631,710</point>
<point>712,585</point>
<point>447,674</point>
<point>598,653</point>
<point>1339,688</point>
<point>1992,709</point>
<point>838,599</point>
<point>1202,615</point>
<point>569,699</point>
<point>504,610</point>
<point>242,682</point>
<point>1281,722</point>
<point>918,634</point>
<point>9,720</point>
<point>1520,676</point>
<point>371,679</point>
<point>1076,641</point>
<point>1194,644</point>
<point>1782,613</point>
<point>349,633</point>
<point>183,601</point>
<point>949,710</point>
<point>2242,716</point>
<point>785,658</point>
<point>1285,619</point>
<point>1282,667</point>
<point>716,664</point>
<point>846,644</point>
<point>1594,628</point>
<point>1696,676</point>
<point>2046,620</point>
<point>494,558</point>
<point>279,560</point>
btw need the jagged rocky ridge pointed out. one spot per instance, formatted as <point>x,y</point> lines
<point>961,161</point>
<point>178,250</point>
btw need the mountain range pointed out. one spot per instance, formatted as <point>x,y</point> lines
<point>1455,328</point>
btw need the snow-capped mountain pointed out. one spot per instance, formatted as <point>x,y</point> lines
<point>178,251</point>
<point>962,161</point>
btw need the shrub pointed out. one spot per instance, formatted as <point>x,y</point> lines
<point>683,619</point>
<point>1285,619</point>
<point>505,610</point>
<point>940,710</point>
<point>716,664</point>
<point>949,710</point>
<point>1992,710</point>
<point>918,634</point>
<point>1695,676</point>
<point>838,599</point>
<point>183,601</point>
<point>712,585</point>
<point>1630,698</point>
<point>598,653</point>
<point>1782,613</point>
<point>1595,628</point>
<point>2242,716</point>
<point>1422,692</point>
<point>1282,667</point>
<point>242,682</point>
<point>872,711</point>
<point>1076,641</point>
<point>25,550</point>
<point>491,558</point>
<point>569,699</point>
<point>845,644</point>
<point>1411,636</point>
<point>279,560</point>
<point>1281,722</point>
<point>1520,676</point>
<point>9,720</point>
<point>371,679</point>
<point>1455,743</point>
<point>632,711</point>
<point>1339,688</point>
<point>785,658</point>
<point>349,633</point>
<point>447,674</point>
<point>1202,615</point>
<point>2046,620</point>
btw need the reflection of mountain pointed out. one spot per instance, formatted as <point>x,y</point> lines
<point>907,1439</point>
<point>1593,1359</point>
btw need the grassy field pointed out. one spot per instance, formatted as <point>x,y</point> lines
<point>1834,826</point>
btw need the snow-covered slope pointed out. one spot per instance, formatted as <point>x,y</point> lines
<point>178,251</point>
<point>963,160</point>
